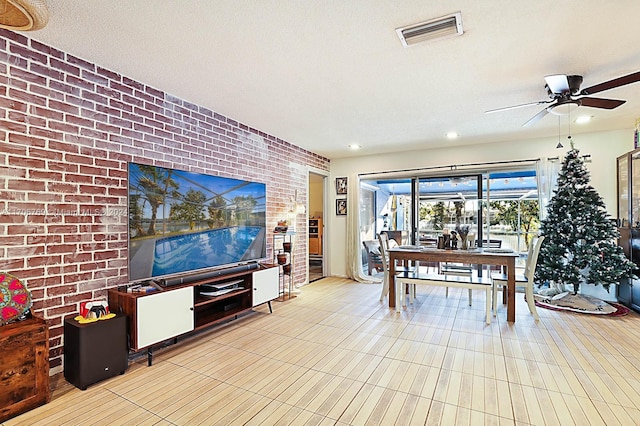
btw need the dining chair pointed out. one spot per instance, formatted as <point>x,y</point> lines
<point>458,270</point>
<point>431,243</point>
<point>525,280</point>
<point>466,270</point>
<point>374,261</point>
<point>493,244</point>
<point>385,244</point>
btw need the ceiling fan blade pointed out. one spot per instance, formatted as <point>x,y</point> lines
<point>601,103</point>
<point>611,84</point>
<point>536,117</point>
<point>491,111</point>
<point>558,83</point>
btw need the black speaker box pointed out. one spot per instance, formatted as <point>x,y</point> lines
<point>95,351</point>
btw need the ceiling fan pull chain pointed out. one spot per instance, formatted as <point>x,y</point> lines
<point>569,137</point>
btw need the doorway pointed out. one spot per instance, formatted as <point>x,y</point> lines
<point>316,234</point>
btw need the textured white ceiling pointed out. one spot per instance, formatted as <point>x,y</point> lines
<point>324,74</point>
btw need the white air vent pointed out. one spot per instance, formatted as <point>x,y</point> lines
<point>446,26</point>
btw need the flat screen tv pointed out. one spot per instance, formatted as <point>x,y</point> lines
<point>182,222</point>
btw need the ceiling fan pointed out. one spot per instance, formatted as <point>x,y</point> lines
<point>564,91</point>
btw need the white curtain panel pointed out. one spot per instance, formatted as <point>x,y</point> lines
<point>354,244</point>
<point>547,174</point>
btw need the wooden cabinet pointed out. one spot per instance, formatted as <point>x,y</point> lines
<point>24,366</point>
<point>628,166</point>
<point>315,237</point>
<point>176,310</point>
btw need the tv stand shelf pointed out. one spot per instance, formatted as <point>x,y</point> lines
<point>209,300</point>
<point>209,310</point>
<point>177,310</point>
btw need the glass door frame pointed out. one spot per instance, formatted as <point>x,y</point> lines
<point>489,182</point>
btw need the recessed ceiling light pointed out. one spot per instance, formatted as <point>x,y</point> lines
<point>354,146</point>
<point>452,135</point>
<point>583,119</point>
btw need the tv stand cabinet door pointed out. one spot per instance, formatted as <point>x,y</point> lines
<point>164,315</point>
<point>265,285</point>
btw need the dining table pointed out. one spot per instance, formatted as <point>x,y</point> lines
<point>475,256</point>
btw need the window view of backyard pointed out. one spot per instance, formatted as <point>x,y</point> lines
<point>497,209</point>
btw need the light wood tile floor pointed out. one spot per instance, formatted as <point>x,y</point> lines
<point>336,355</point>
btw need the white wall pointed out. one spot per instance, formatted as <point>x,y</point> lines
<point>603,147</point>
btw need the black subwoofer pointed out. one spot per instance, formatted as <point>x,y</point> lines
<point>94,351</point>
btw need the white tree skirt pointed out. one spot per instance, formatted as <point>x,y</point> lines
<point>576,303</point>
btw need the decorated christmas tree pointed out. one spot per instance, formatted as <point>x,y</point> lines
<point>581,239</point>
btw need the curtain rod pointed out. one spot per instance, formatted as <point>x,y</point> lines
<point>452,167</point>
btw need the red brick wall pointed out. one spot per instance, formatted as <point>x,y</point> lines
<point>68,128</point>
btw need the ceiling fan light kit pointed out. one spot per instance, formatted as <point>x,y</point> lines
<point>564,108</point>
<point>443,27</point>
<point>23,15</point>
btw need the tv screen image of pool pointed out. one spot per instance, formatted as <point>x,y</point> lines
<point>182,221</point>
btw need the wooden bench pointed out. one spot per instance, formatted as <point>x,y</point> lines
<point>470,282</point>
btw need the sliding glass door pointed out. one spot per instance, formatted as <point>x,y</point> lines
<point>513,210</point>
<point>497,208</point>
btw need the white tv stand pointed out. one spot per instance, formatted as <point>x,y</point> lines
<point>177,310</point>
